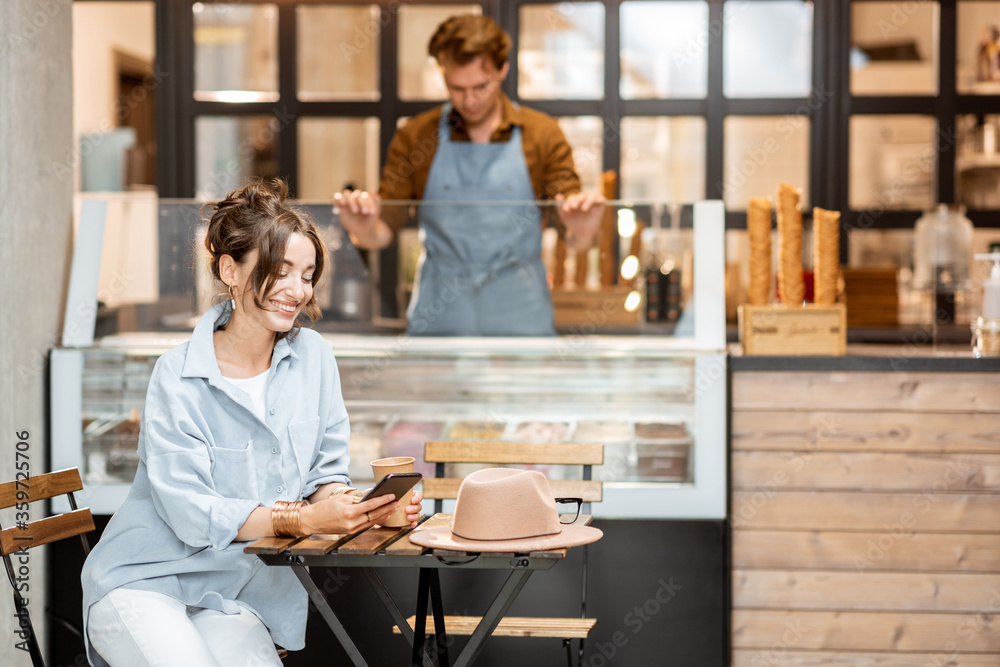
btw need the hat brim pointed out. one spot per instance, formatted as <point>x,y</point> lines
<point>442,538</point>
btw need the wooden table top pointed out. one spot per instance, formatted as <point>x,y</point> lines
<point>375,540</point>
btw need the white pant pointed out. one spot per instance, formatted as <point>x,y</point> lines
<point>131,628</point>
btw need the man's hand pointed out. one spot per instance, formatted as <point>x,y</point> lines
<point>360,214</point>
<point>581,214</point>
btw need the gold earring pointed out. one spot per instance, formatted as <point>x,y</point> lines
<point>232,292</point>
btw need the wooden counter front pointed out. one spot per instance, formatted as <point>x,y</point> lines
<point>866,514</point>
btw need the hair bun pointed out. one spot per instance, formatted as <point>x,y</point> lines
<point>259,195</point>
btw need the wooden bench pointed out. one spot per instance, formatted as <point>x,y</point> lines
<point>441,488</point>
<point>27,534</point>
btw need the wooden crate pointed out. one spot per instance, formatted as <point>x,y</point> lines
<point>778,330</point>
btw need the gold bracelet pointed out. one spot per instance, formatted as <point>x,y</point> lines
<point>341,490</point>
<point>286,518</point>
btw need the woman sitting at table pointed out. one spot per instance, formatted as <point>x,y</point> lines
<point>240,425</point>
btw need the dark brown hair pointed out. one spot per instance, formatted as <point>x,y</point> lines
<point>461,38</point>
<point>256,217</point>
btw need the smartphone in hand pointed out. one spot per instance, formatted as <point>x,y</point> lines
<point>396,483</point>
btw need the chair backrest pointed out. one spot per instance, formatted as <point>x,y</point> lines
<point>29,534</point>
<point>440,488</point>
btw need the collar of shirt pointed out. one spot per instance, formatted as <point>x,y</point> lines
<point>200,360</point>
<point>510,116</point>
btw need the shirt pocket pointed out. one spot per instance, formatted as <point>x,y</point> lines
<point>304,436</point>
<point>234,472</point>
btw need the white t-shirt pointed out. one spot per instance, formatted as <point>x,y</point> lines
<point>256,387</point>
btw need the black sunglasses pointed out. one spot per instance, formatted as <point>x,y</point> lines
<point>569,509</point>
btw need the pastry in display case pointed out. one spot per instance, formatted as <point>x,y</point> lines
<point>663,451</point>
<point>112,394</point>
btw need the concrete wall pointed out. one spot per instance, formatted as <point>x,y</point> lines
<point>36,108</point>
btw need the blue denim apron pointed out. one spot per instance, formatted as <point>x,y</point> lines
<point>481,273</point>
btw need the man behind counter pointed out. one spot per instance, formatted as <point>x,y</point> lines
<point>482,272</point>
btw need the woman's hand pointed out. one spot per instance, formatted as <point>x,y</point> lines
<point>341,514</point>
<point>413,509</point>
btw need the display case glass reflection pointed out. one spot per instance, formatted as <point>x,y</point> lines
<point>637,279</point>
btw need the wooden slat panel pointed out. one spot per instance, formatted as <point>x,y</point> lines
<point>862,591</point>
<point>860,551</point>
<point>514,452</point>
<point>865,431</point>
<point>589,490</point>
<point>866,511</point>
<point>403,546</point>
<point>372,540</point>
<point>40,487</point>
<point>778,655</point>
<point>43,531</point>
<point>867,392</point>
<point>318,545</point>
<point>270,545</point>
<point>866,631</point>
<point>515,626</point>
<point>867,471</point>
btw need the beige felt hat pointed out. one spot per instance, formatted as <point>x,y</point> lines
<point>502,509</point>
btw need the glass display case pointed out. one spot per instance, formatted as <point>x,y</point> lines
<point>658,409</point>
<point>656,402</point>
<point>155,276</point>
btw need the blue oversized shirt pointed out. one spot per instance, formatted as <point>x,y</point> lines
<point>206,462</point>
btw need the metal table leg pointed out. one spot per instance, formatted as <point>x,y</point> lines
<point>331,619</point>
<point>438,610</point>
<point>420,617</point>
<point>501,603</point>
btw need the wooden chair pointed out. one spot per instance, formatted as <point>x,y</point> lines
<point>440,488</point>
<point>26,535</point>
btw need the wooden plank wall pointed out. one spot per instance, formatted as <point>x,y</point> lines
<point>866,519</point>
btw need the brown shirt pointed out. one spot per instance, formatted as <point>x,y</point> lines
<point>411,151</point>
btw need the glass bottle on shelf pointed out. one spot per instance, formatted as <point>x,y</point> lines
<point>661,272</point>
<point>941,256</point>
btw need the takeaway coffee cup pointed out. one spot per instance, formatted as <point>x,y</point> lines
<point>394,464</point>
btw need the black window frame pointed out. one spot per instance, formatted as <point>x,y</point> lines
<point>829,106</point>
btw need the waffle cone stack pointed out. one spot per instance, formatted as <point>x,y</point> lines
<point>790,281</point>
<point>759,236</point>
<point>826,255</point>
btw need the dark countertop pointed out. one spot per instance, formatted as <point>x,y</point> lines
<point>902,357</point>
